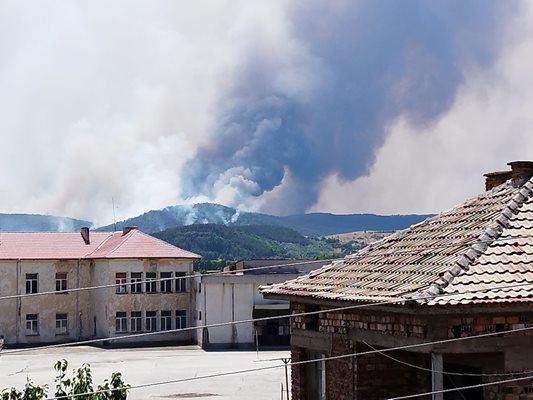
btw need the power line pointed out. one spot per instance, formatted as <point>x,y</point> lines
<point>479,385</point>
<point>443,372</point>
<point>295,363</point>
<point>335,309</point>
<point>244,271</point>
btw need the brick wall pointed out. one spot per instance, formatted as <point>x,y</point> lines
<point>379,377</point>
<point>340,373</point>
<point>297,373</point>
<point>520,390</point>
<point>475,325</point>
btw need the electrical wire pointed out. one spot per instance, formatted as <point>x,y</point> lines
<point>479,385</point>
<point>244,271</point>
<point>303,362</point>
<point>444,372</point>
<point>335,309</point>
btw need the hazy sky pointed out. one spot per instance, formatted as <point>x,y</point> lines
<point>278,106</point>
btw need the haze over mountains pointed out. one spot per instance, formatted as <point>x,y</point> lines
<point>314,224</point>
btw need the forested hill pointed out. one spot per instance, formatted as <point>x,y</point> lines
<point>314,224</point>
<point>40,223</point>
<point>221,242</point>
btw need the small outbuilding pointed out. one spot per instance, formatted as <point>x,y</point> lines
<point>453,295</point>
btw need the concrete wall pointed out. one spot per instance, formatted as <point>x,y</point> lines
<point>90,313</point>
<point>109,302</point>
<point>224,298</point>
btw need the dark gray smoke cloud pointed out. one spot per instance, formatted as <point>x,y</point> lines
<point>321,103</point>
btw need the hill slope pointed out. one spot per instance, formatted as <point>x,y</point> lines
<point>221,242</point>
<point>40,223</point>
<point>314,224</point>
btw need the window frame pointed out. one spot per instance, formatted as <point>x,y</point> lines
<point>61,282</point>
<point>181,319</point>
<point>121,282</point>
<point>136,321</point>
<point>151,321</point>
<point>32,283</point>
<point>32,324</point>
<point>121,322</point>
<point>151,282</point>
<point>62,321</point>
<point>166,320</point>
<point>181,282</point>
<point>165,282</point>
<point>136,282</point>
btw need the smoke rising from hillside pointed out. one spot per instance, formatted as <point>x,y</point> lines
<point>320,102</point>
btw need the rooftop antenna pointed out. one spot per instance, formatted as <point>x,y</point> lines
<point>114,218</point>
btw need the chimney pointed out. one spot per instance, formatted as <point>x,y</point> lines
<point>521,171</point>
<point>84,230</point>
<point>493,179</point>
<point>128,229</point>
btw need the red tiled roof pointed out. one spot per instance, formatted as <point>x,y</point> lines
<point>485,242</point>
<point>59,245</point>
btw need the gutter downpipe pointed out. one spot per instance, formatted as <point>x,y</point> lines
<point>17,303</point>
<point>78,313</point>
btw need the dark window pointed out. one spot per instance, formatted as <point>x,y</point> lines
<point>151,321</point>
<point>120,281</point>
<point>61,281</point>
<point>136,321</point>
<point>166,282</point>
<point>121,322</point>
<point>181,282</point>
<point>136,278</point>
<point>32,324</point>
<point>151,283</point>
<point>31,284</point>
<point>166,320</point>
<point>61,324</point>
<point>181,319</point>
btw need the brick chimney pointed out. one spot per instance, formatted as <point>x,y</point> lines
<point>84,230</point>
<point>521,171</point>
<point>128,229</point>
<point>493,179</point>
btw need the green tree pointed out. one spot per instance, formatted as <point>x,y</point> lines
<point>79,387</point>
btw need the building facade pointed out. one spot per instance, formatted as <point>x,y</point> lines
<point>40,273</point>
<point>443,305</point>
<point>234,296</point>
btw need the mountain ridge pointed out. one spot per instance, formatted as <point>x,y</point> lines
<point>311,224</point>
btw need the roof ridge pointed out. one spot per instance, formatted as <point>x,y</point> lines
<point>128,236</point>
<point>109,236</point>
<point>476,249</point>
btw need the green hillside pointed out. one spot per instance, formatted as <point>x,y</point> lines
<point>219,243</point>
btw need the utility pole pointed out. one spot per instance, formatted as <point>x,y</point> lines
<point>286,361</point>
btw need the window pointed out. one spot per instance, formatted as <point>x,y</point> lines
<point>61,281</point>
<point>32,324</point>
<point>316,376</point>
<point>136,321</point>
<point>31,284</point>
<point>136,279</point>
<point>181,283</point>
<point>166,285</point>
<point>120,281</point>
<point>151,287</point>
<point>61,324</point>
<point>181,319</point>
<point>166,320</point>
<point>151,321</point>
<point>121,322</point>
<point>199,315</point>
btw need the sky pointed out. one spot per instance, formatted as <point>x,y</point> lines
<point>276,106</point>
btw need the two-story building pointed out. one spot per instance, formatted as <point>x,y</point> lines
<point>57,287</point>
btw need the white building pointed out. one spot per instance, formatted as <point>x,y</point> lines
<point>235,297</point>
<point>35,262</point>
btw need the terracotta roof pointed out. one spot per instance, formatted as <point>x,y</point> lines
<point>59,245</point>
<point>482,243</point>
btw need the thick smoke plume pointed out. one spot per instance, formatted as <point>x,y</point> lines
<point>320,102</point>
